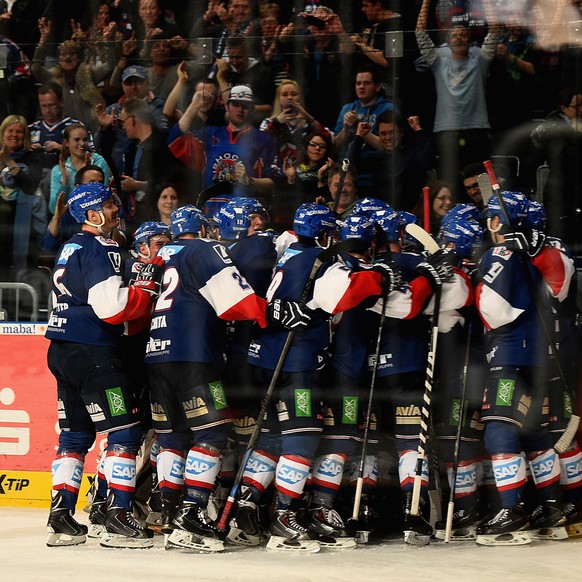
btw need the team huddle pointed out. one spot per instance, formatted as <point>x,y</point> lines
<point>270,371</point>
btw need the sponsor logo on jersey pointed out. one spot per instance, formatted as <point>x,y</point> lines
<point>123,471</point>
<point>506,472</point>
<point>502,252</point>
<point>466,478</point>
<point>194,407</point>
<point>255,466</point>
<point>157,345</point>
<point>55,321</point>
<point>455,412</point>
<point>168,250</point>
<point>158,322</point>
<point>505,388</point>
<point>567,406</point>
<point>218,395</point>
<point>282,411</point>
<point>350,410</point>
<point>330,468</point>
<point>158,412</point>
<point>177,469</point>
<point>254,350</point>
<point>243,426</point>
<point>115,259</point>
<point>291,475</point>
<point>223,254</point>
<point>198,466</point>
<point>95,411</point>
<point>66,253</point>
<point>543,468</point>
<point>574,470</point>
<point>407,414</point>
<point>116,401</point>
<point>384,361</point>
<point>328,418</point>
<point>302,402</point>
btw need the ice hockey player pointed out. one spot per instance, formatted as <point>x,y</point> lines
<point>556,264</point>
<point>292,428</point>
<point>202,290</point>
<point>515,401</point>
<point>460,362</point>
<point>93,380</point>
<point>402,360</point>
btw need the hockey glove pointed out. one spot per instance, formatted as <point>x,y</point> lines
<point>536,241</point>
<point>438,268</point>
<point>516,240</point>
<point>150,277</point>
<point>288,314</point>
<point>391,273</point>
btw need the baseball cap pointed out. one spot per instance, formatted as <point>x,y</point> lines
<point>134,71</point>
<point>241,93</point>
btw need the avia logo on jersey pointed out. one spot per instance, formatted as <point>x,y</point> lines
<point>158,412</point>
<point>95,411</point>
<point>506,472</point>
<point>194,407</point>
<point>158,322</point>
<point>223,254</point>
<point>505,389</point>
<point>177,469</point>
<point>543,468</point>
<point>115,259</point>
<point>55,321</point>
<point>224,167</point>
<point>282,411</point>
<point>168,250</point>
<point>407,411</point>
<point>123,471</point>
<point>66,253</point>
<point>330,468</point>
<point>291,475</point>
<point>199,466</point>
<point>157,345</point>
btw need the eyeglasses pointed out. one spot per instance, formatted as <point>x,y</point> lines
<point>575,105</point>
<point>122,121</point>
<point>319,146</point>
<point>474,186</point>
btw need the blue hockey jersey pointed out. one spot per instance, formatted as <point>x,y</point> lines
<point>202,290</point>
<point>91,303</point>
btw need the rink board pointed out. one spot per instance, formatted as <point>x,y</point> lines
<point>28,417</point>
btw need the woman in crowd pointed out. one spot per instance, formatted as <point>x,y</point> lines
<point>74,155</point>
<point>441,200</point>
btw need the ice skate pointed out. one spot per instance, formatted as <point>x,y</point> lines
<point>417,531</point>
<point>505,529</point>
<point>97,516</point>
<point>63,528</point>
<point>573,515</point>
<point>122,530</point>
<point>547,522</point>
<point>193,530</point>
<point>245,529</point>
<point>154,506</point>
<point>170,502</point>
<point>465,523</point>
<point>330,529</point>
<point>287,535</point>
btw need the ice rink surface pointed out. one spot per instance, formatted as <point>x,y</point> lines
<point>25,557</point>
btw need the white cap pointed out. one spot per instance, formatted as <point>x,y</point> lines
<point>241,93</point>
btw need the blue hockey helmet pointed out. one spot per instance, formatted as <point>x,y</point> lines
<point>536,215</point>
<point>389,221</point>
<point>357,227</point>
<point>254,206</point>
<point>409,242</point>
<point>233,220</point>
<point>462,212</point>
<point>187,220</point>
<point>87,197</point>
<point>147,230</point>
<point>465,234</point>
<point>368,206</point>
<point>515,204</point>
<point>313,219</point>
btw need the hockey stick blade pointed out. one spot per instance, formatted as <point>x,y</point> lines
<point>424,238</point>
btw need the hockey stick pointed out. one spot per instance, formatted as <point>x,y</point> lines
<point>485,187</point>
<point>451,504</point>
<point>570,431</point>
<point>431,246</point>
<point>426,208</point>
<point>325,255</point>
<point>382,241</point>
<point>338,195</point>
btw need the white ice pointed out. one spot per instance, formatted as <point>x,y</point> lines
<point>25,557</point>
